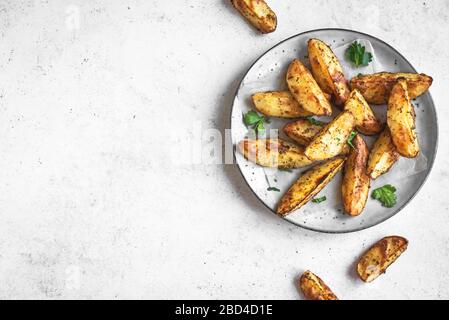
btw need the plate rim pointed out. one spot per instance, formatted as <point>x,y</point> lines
<point>431,164</point>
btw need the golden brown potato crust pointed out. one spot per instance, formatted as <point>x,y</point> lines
<point>274,153</point>
<point>356,182</point>
<point>306,91</point>
<point>376,87</point>
<point>383,155</point>
<point>258,13</point>
<point>308,185</point>
<point>328,71</point>
<point>332,140</point>
<point>401,121</point>
<point>280,104</point>
<point>302,131</point>
<point>380,256</point>
<point>314,288</point>
<point>365,120</point>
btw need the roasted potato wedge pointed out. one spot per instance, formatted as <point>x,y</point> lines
<point>356,182</point>
<point>365,120</point>
<point>280,104</point>
<point>308,185</point>
<point>302,131</point>
<point>258,13</point>
<point>328,71</point>
<point>401,121</point>
<point>306,91</point>
<point>376,87</point>
<point>383,155</point>
<point>314,288</point>
<point>332,140</point>
<point>380,256</point>
<point>274,153</point>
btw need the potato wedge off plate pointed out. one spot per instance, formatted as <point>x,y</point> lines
<point>268,74</point>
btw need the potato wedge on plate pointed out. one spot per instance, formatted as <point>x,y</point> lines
<point>302,131</point>
<point>356,182</point>
<point>365,120</point>
<point>379,257</point>
<point>306,91</point>
<point>376,87</point>
<point>383,155</point>
<point>280,104</point>
<point>332,140</point>
<point>274,153</point>
<point>401,121</point>
<point>258,13</point>
<point>308,185</point>
<point>328,71</point>
<point>314,288</point>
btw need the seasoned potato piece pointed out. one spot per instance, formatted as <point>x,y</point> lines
<point>308,185</point>
<point>280,104</point>
<point>306,91</point>
<point>258,13</point>
<point>302,131</point>
<point>328,71</point>
<point>382,156</point>
<point>380,256</point>
<point>332,140</point>
<point>401,121</point>
<point>376,87</point>
<point>356,182</point>
<point>314,288</point>
<point>274,153</point>
<point>365,120</point>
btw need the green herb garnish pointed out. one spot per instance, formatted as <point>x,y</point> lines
<point>254,120</point>
<point>285,170</point>
<point>319,200</point>
<point>273,189</point>
<point>314,121</point>
<point>356,53</point>
<point>351,138</point>
<point>386,195</point>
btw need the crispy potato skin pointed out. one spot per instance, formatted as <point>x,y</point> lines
<point>314,288</point>
<point>383,155</point>
<point>302,131</point>
<point>280,104</point>
<point>380,256</point>
<point>332,140</point>
<point>258,13</point>
<point>308,185</point>
<point>328,71</point>
<point>401,121</point>
<point>376,87</point>
<point>274,153</point>
<point>306,91</point>
<point>356,182</point>
<point>365,120</point>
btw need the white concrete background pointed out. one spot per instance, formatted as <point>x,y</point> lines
<point>91,205</point>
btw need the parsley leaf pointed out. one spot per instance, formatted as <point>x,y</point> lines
<point>252,118</point>
<point>256,121</point>
<point>386,195</point>
<point>314,121</point>
<point>351,138</point>
<point>273,189</point>
<point>319,200</point>
<point>356,53</point>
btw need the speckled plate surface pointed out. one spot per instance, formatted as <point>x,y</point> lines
<point>408,175</point>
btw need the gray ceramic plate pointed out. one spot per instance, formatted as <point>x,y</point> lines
<point>408,175</point>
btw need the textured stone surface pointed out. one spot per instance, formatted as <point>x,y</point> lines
<point>91,204</point>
